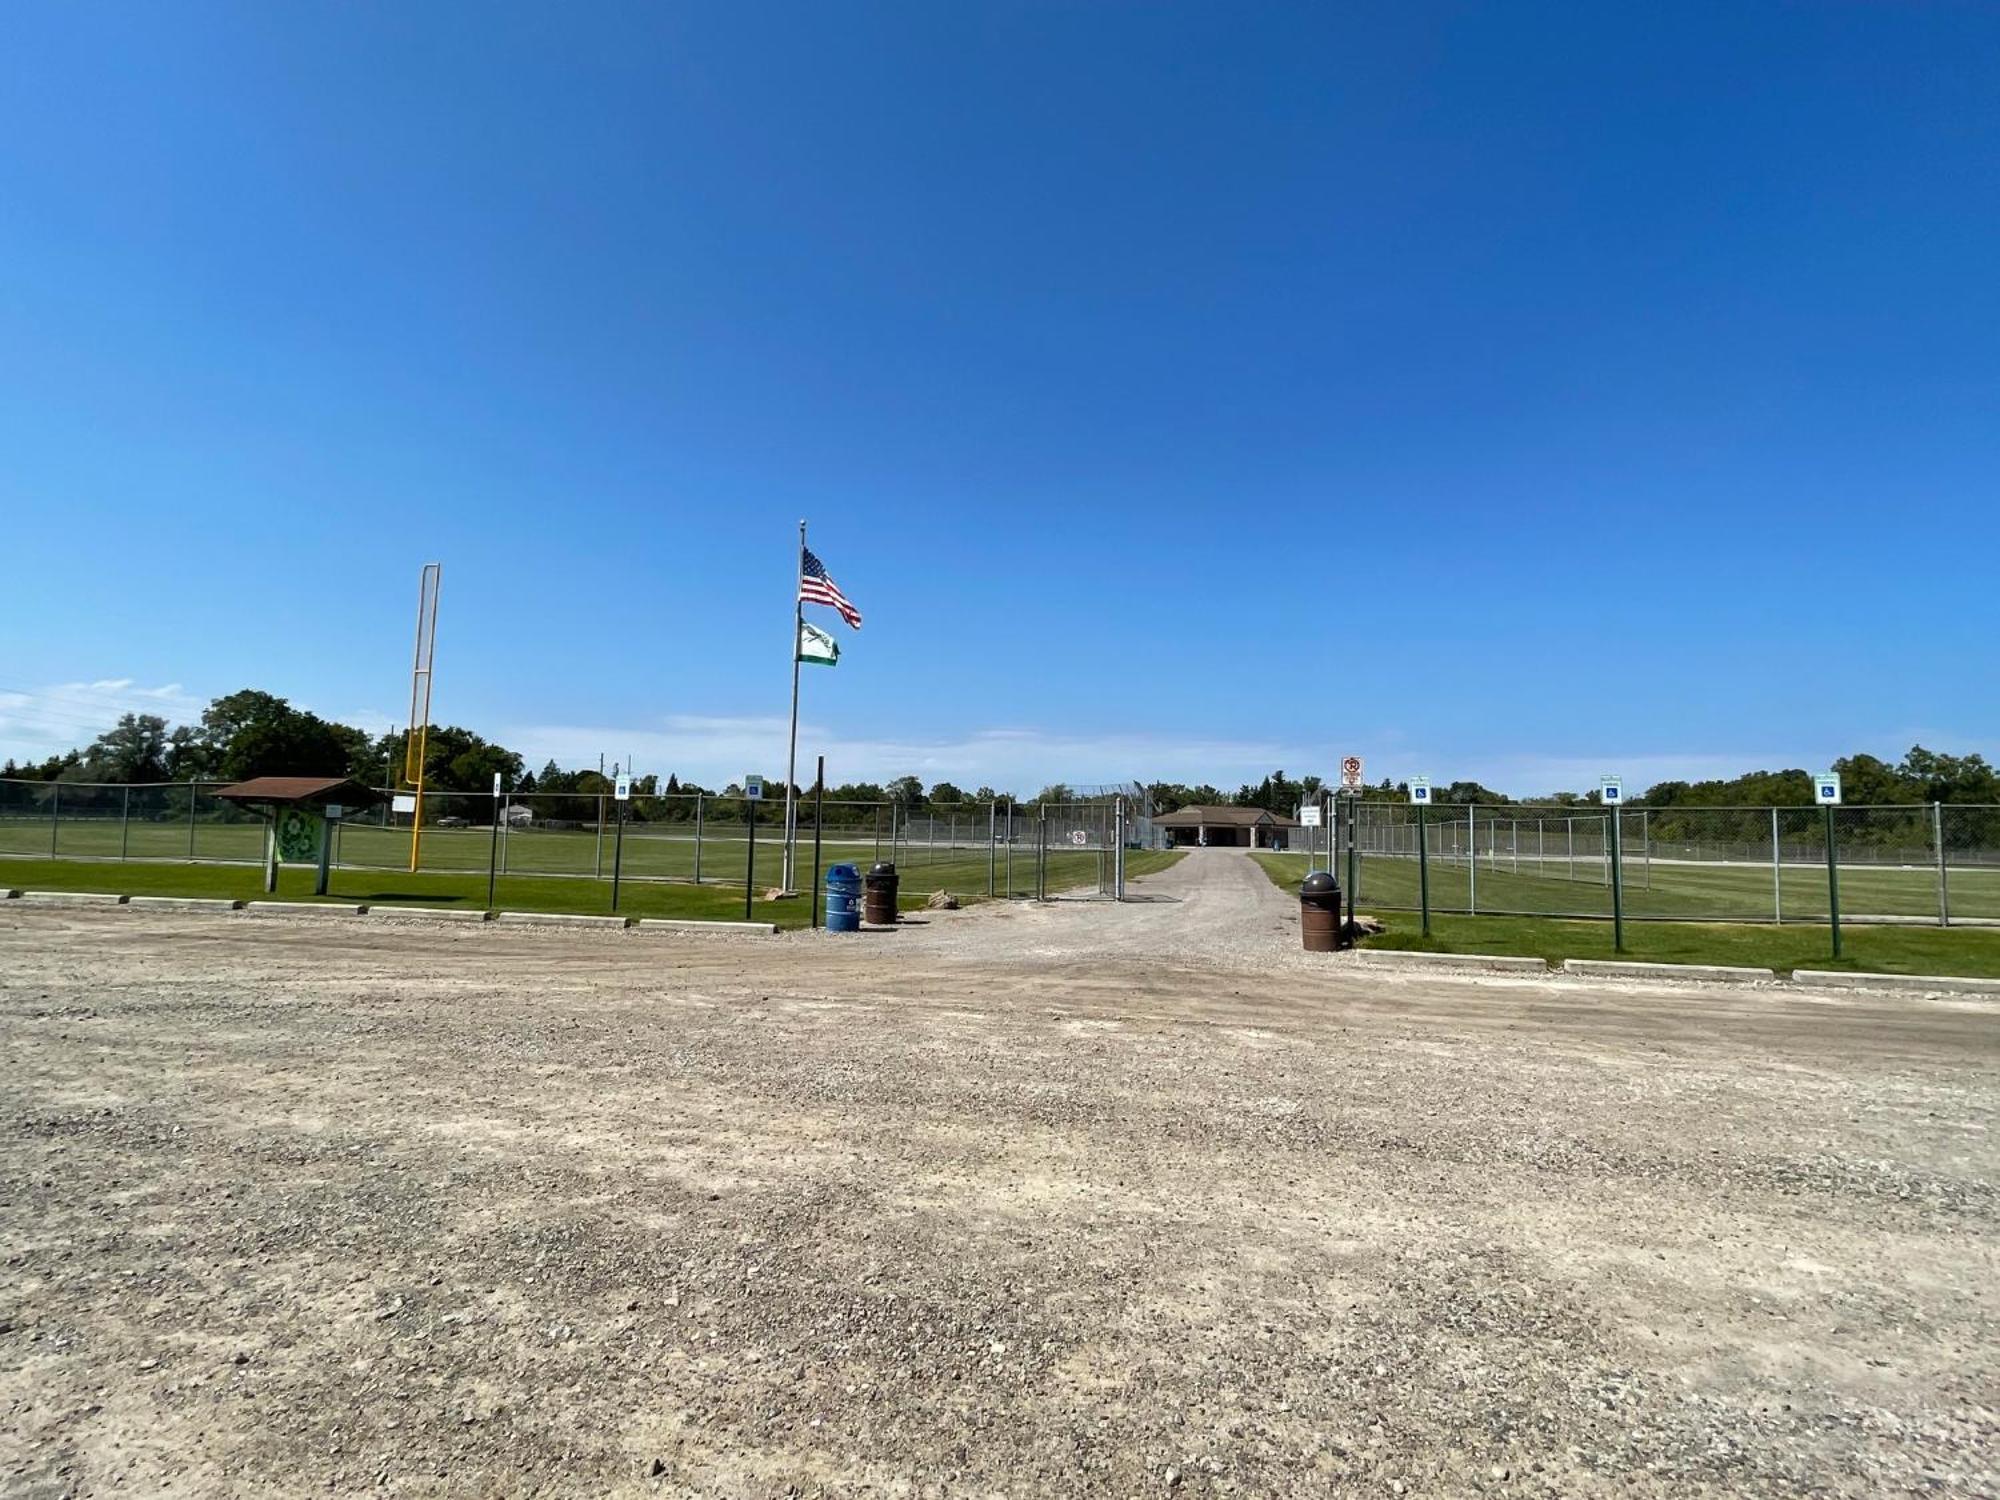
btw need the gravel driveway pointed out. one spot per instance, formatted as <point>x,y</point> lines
<point>1029,1201</point>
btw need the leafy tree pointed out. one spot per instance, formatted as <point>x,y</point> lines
<point>944,794</point>
<point>907,790</point>
<point>134,749</point>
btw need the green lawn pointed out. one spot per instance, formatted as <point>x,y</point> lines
<point>558,893</point>
<point>1526,885</point>
<point>651,851</point>
<point>1966,951</point>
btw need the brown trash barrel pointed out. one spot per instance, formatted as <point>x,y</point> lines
<point>878,899</point>
<point>1319,913</point>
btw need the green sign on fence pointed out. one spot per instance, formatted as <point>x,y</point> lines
<point>298,835</point>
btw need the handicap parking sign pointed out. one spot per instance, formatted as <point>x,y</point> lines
<point>1611,789</point>
<point>1826,788</point>
<point>1420,790</point>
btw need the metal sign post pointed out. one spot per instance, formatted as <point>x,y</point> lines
<point>1826,791</point>
<point>1612,790</point>
<point>753,793</point>
<point>621,793</point>
<point>493,854</point>
<point>1353,862</point>
<point>1420,796</point>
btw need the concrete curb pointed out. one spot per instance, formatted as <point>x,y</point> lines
<point>1480,963</point>
<point>1619,968</point>
<point>427,913</point>
<point>664,925</point>
<point>1929,983</point>
<point>184,903</point>
<point>560,918</point>
<point>72,898</point>
<point>8,893</point>
<point>302,908</point>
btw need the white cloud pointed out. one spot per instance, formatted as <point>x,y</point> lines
<point>39,722</point>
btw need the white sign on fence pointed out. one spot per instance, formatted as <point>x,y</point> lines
<point>1611,789</point>
<point>1309,815</point>
<point>1350,774</point>
<point>621,789</point>
<point>333,811</point>
<point>1826,789</point>
<point>753,788</point>
<point>1078,836</point>
<point>1420,790</point>
<point>403,802</point>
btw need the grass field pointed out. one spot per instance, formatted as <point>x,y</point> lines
<point>1970,951</point>
<point>1666,889</point>
<point>552,893</point>
<point>651,851</point>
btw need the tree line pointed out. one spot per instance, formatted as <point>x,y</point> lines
<point>254,733</point>
<point>1921,776</point>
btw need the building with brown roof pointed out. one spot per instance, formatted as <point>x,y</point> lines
<point>1237,827</point>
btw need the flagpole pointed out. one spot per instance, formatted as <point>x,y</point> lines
<point>792,754</point>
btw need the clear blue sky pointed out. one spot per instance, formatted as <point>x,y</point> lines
<point>1510,391</point>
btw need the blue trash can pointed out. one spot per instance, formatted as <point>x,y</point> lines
<point>843,896</point>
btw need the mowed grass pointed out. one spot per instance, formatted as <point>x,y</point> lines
<point>461,889</point>
<point>1967,951</point>
<point>650,852</point>
<point>1666,890</point>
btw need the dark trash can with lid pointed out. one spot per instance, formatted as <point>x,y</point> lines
<point>1319,912</point>
<point>878,904</point>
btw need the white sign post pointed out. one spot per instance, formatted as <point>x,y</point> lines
<point>1611,789</point>
<point>1420,791</point>
<point>753,788</point>
<point>1309,815</point>
<point>1826,789</point>
<point>1350,774</point>
<point>621,789</point>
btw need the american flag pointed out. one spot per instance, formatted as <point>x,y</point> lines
<point>816,588</point>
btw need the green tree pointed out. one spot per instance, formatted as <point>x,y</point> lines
<point>134,749</point>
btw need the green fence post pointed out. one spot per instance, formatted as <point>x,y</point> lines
<point>1618,879</point>
<point>125,825</point>
<point>192,793</point>
<point>1832,882</point>
<point>1423,870</point>
<point>55,816</point>
<point>1353,851</point>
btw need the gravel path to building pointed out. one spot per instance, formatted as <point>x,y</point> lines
<point>1021,1201</point>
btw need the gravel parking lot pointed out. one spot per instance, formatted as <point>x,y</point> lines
<point>1075,1199</point>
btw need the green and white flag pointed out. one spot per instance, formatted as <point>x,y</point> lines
<point>816,646</point>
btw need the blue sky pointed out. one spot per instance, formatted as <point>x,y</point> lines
<point>1518,392</point>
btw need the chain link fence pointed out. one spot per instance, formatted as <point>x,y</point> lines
<point>1000,849</point>
<point>1933,863</point>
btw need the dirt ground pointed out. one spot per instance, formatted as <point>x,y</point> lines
<point>1078,1199</point>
